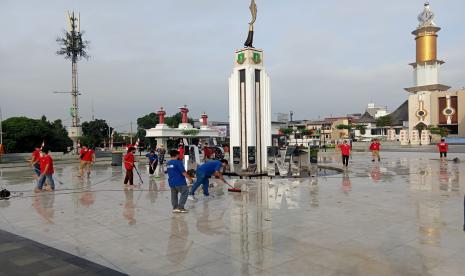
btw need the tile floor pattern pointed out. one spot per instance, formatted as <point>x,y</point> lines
<point>403,216</point>
<point>20,256</point>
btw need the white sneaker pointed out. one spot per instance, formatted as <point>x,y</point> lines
<point>176,211</point>
<point>191,197</point>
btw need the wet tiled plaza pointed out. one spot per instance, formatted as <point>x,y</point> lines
<point>403,216</point>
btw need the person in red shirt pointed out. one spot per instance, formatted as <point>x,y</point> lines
<point>345,150</point>
<point>181,151</point>
<point>46,171</point>
<point>443,149</point>
<point>35,162</point>
<point>82,163</point>
<point>375,147</point>
<point>88,159</point>
<point>129,161</point>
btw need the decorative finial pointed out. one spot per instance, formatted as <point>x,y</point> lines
<point>253,11</point>
<point>426,17</point>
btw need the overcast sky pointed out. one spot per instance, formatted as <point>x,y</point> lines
<point>323,56</point>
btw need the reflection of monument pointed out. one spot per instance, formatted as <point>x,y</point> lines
<point>250,106</point>
<point>430,103</point>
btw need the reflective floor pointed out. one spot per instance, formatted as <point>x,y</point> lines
<point>404,216</point>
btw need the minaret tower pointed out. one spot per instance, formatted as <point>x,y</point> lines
<point>425,77</point>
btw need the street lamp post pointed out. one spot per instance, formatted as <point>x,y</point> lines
<point>1,127</point>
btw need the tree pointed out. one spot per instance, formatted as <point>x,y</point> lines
<point>306,132</point>
<point>94,132</point>
<point>148,121</point>
<point>23,134</point>
<point>441,131</point>
<point>286,131</point>
<point>342,126</point>
<point>361,128</point>
<point>385,121</point>
<point>176,119</point>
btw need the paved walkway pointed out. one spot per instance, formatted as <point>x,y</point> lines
<point>403,216</point>
<point>20,256</point>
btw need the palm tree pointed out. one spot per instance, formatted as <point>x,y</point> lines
<point>73,47</point>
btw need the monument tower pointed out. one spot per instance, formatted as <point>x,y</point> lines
<point>422,105</point>
<point>250,105</point>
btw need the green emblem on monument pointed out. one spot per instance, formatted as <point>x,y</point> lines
<point>257,58</point>
<point>240,58</point>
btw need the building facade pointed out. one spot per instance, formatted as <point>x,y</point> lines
<point>430,103</point>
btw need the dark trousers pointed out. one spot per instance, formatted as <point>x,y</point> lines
<point>153,167</point>
<point>129,177</point>
<point>345,160</point>
<point>443,154</point>
<point>203,180</point>
<point>178,203</point>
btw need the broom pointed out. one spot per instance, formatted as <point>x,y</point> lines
<point>232,189</point>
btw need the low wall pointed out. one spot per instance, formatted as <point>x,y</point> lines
<point>57,156</point>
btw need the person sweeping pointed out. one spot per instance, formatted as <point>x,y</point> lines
<point>129,161</point>
<point>204,172</point>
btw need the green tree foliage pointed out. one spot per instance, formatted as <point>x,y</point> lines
<point>361,128</point>
<point>148,121</point>
<point>23,134</point>
<point>306,132</point>
<point>441,131</point>
<point>176,119</point>
<point>342,126</point>
<point>94,132</point>
<point>385,121</point>
<point>286,131</point>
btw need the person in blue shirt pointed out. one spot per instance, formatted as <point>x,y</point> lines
<point>177,180</point>
<point>204,172</point>
<point>153,161</point>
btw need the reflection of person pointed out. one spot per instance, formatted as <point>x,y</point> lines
<point>345,151</point>
<point>204,172</point>
<point>129,207</point>
<point>443,148</point>
<point>178,243</point>
<point>346,184</point>
<point>375,173</point>
<point>153,191</point>
<point>87,196</point>
<point>177,180</point>
<point>43,204</point>
<point>375,147</point>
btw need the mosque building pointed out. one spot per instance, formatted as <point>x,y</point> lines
<point>431,103</point>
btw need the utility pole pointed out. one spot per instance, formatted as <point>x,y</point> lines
<point>1,127</point>
<point>130,134</point>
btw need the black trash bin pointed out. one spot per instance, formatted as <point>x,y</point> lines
<point>116,158</point>
<point>314,154</point>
